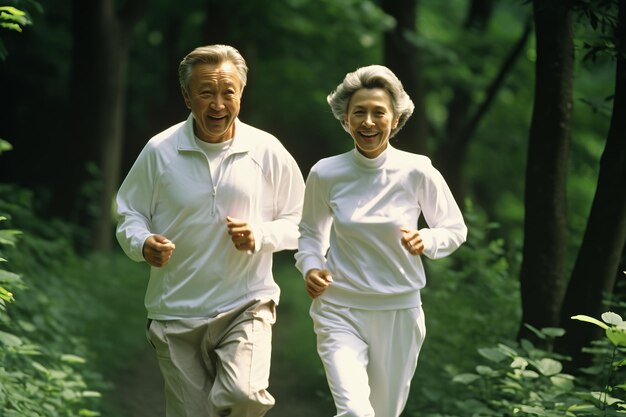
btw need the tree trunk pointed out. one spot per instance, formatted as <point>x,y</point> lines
<point>99,88</point>
<point>86,89</point>
<point>462,123</point>
<point>403,58</point>
<point>542,275</point>
<point>598,261</point>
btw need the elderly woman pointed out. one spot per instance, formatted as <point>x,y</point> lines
<point>360,249</point>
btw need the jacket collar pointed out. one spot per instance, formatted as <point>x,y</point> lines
<point>241,141</point>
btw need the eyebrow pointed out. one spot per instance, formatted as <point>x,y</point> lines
<point>357,107</point>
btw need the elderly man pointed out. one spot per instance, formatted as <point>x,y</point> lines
<point>206,204</point>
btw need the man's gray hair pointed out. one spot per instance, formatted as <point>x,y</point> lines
<point>214,55</point>
<point>372,76</point>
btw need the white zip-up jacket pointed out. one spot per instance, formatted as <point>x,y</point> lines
<point>169,191</point>
<point>354,208</point>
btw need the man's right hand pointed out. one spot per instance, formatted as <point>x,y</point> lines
<point>317,280</point>
<point>157,250</point>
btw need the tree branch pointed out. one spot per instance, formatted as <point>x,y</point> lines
<point>472,124</point>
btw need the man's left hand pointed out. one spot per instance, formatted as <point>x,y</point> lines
<point>241,234</point>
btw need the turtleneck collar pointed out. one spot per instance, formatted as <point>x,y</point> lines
<point>371,163</point>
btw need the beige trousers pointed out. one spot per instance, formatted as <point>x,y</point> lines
<point>217,367</point>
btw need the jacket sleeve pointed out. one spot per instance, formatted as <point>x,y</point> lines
<point>446,228</point>
<point>133,203</point>
<point>314,227</point>
<point>288,192</point>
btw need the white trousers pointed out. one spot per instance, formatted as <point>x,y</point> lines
<point>217,367</point>
<point>369,356</point>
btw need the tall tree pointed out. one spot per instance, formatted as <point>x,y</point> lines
<point>403,58</point>
<point>464,115</point>
<point>101,36</point>
<point>598,261</point>
<point>451,154</point>
<point>542,275</point>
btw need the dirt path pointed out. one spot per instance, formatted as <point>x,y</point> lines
<point>139,391</point>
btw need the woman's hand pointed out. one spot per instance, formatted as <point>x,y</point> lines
<point>317,280</point>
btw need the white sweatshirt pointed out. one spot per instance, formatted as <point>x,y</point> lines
<point>169,191</point>
<point>354,208</point>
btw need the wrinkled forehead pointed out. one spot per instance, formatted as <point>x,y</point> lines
<point>377,97</point>
<point>224,74</point>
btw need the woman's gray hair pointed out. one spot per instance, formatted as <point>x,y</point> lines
<point>372,76</point>
<point>214,55</point>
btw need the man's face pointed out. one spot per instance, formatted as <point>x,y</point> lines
<point>214,98</point>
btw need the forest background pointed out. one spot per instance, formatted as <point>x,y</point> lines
<point>520,104</point>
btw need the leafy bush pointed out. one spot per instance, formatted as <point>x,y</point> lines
<point>471,299</point>
<point>68,323</point>
<point>518,379</point>
<point>41,363</point>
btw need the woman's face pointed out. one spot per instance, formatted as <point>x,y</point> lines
<point>370,119</point>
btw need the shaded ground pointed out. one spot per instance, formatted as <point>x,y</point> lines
<point>139,389</point>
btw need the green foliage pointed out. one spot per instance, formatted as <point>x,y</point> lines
<point>518,379</point>
<point>12,19</point>
<point>67,323</point>
<point>601,17</point>
<point>42,369</point>
<point>471,298</point>
<point>5,146</point>
<point>293,337</point>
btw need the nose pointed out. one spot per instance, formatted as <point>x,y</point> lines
<point>367,122</point>
<point>216,103</point>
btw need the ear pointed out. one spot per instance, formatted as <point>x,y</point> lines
<point>395,122</point>
<point>186,97</point>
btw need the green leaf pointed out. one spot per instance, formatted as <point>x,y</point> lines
<point>72,359</point>
<point>11,26</point>
<point>536,331</point>
<point>553,331</point>
<point>7,277</point>
<point>582,317</point>
<point>9,236</point>
<point>493,354</point>
<point>4,146</point>
<point>547,366</point>
<point>519,363</point>
<point>616,336</point>
<point>566,384</point>
<point>582,407</point>
<point>530,374</point>
<point>9,339</point>
<point>605,398</point>
<point>88,413</point>
<point>507,350</point>
<point>485,370</point>
<point>465,378</point>
<point>12,10</point>
<point>40,368</point>
<point>533,410</point>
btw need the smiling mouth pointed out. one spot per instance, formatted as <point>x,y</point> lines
<point>368,135</point>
